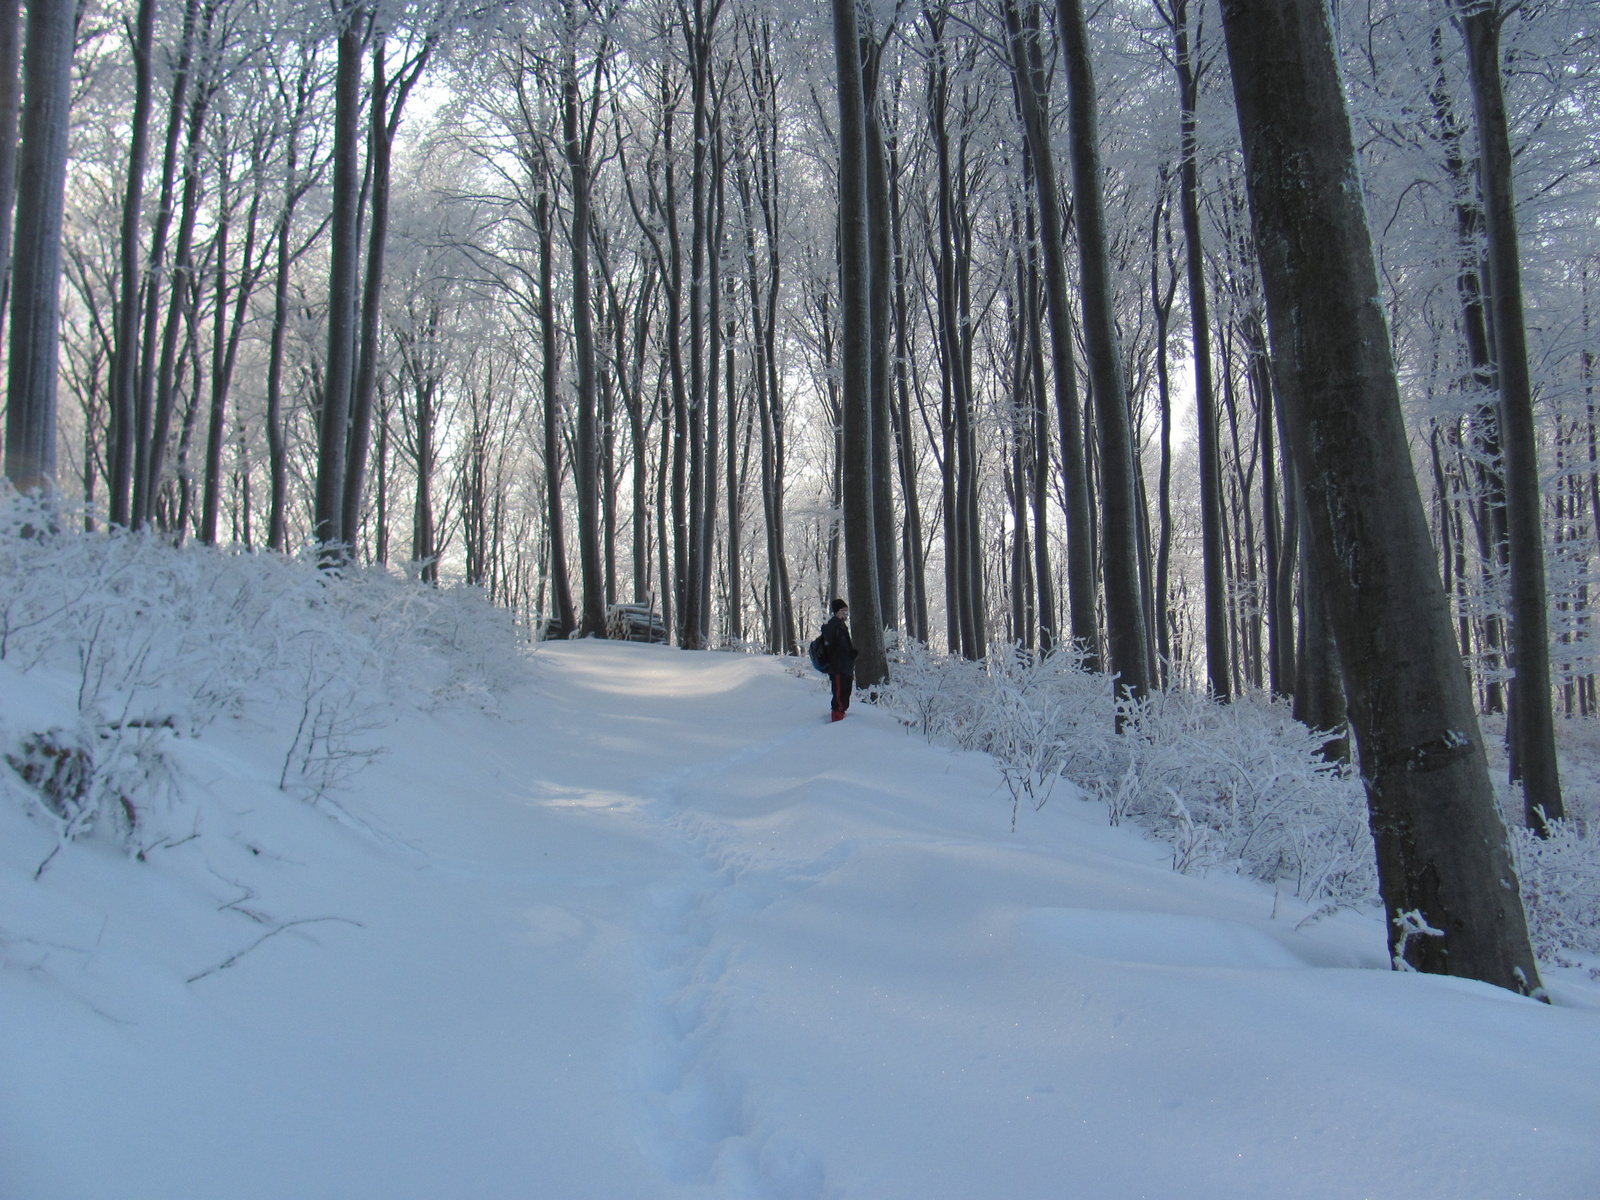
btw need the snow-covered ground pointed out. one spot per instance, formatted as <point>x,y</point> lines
<point>654,928</point>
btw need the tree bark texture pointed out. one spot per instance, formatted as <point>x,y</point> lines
<point>1218,666</point>
<point>124,397</point>
<point>1534,741</point>
<point>144,416</point>
<point>879,256</point>
<point>343,268</point>
<point>586,467</point>
<point>860,547</point>
<point>1121,559</point>
<point>1033,100</point>
<point>1444,863</point>
<point>10,102</point>
<point>562,584</point>
<point>30,458</point>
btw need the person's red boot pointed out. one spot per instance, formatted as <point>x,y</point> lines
<point>838,716</point>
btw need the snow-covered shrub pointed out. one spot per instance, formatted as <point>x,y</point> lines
<point>85,780</point>
<point>1240,785</point>
<point>1560,878</point>
<point>1252,777</point>
<point>162,641</point>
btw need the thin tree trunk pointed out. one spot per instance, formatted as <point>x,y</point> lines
<point>697,36</point>
<point>125,360</point>
<point>715,225</point>
<point>144,417</point>
<point>1126,636</point>
<point>1534,741</point>
<point>916,591</point>
<point>383,124</point>
<point>1028,71</point>
<point>586,468</point>
<point>182,296</point>
<point>735,546</point>
<point>880,273</point>
<point>561,584</point>
<point>211,487</point>
<point>1444,862</point>
<point>1218,666</point>
<point>1161,303</point>
<point>277,450</point>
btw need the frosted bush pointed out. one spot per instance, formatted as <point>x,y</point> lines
<point>1240,786</point>
<point>1560,878</point>
<point>162,642</point>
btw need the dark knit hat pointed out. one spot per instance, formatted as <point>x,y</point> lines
<point>838,604</point>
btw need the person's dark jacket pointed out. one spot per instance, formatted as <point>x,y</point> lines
<point>838,651</point>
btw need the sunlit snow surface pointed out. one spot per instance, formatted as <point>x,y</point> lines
<point>658,929</point>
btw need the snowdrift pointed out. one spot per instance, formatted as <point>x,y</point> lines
<point>620,922</point>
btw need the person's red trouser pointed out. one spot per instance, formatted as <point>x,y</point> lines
<point>843,685</point>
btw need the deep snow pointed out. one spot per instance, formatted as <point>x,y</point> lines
<point>655,928</point>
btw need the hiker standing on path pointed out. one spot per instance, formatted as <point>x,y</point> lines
<point>839,656</point>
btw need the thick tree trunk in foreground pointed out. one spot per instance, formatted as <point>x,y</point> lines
<point>1534,740</point>
<point>860,550</point>
<point>30,460</point>
<point>1444,861</point>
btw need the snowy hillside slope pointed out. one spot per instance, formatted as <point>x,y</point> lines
<point>649,926</point>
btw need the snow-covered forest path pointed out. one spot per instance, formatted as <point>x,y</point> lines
<point>657,929</point>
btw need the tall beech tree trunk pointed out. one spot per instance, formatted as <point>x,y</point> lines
<point>915,577</point>
<point>878,305</point>
<point>277,441</point>
<point>144,415</point>
<point>735,476</point>
<point>225,334</point>
<point>860,548</point>
<point>1444,862</point>
<point>387,102</point>
<point>30,460</point>
<point>125,359</point>
<point>183,295</point>
<point>1033,100</point>
<point>343,268</point>
<point>697,31</point>
<point>1482,378</point>
<point>10,97</point>
<point>577,138</point>
<point>550,375</point>
<point>1119,515</point>
<point>1534,744</point>
<point>379,143</point>
<point>1218,667</point>
<point>715,228</point>
<point>1161,305</point>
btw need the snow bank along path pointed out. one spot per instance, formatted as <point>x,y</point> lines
<point>659,930</point>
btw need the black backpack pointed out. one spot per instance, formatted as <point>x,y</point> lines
<point>819,653</point>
